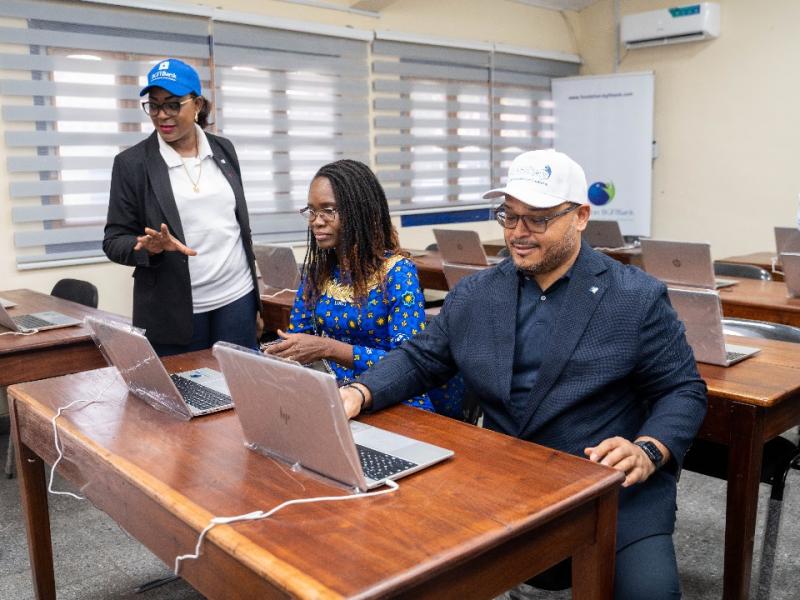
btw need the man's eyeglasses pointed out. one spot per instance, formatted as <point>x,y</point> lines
<point>509,220</point>
<point>328,214</point>
<point>171,108</point>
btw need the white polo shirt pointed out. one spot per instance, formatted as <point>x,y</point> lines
<point>219,273</point>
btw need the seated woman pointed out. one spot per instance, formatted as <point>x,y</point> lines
<point>360,294</point>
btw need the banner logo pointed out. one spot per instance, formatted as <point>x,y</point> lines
<point>601,193</point>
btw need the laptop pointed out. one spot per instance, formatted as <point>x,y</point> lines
<point>787,239</point>
<point>701,313</point>
<point>604,234</point>
<point>682,263</point>
<point>455,273</point>
<point>40,321</point>
<point>277,266</point>
<point>184,395</point>
<point>463,247</point>
<point>295,415</point>
<point>791,272</point>
<point>7,303</point>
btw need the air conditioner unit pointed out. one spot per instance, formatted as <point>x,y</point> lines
<point>671,25</point>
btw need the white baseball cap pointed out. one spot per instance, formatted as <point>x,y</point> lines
<point>543,179</point>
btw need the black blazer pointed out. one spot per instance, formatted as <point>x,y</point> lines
<point>141,196</point>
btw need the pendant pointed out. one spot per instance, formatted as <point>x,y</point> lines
<point>196,188</point>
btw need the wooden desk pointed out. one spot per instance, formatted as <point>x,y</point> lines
<point>760,300</point>
<point>48,353</point>
<point>429,269</point>
<point>497,513</point>
<point>276,308</point>
<point>759,259</point>
<point>749,404</point>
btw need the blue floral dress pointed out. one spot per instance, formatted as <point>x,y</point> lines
<point>384,321</point>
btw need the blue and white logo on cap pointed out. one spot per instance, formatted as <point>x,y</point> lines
<point>175,76</point>
<point>163,66</point>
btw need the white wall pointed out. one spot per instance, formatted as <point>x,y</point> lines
<point>477,20</point>
<point>726,121</point>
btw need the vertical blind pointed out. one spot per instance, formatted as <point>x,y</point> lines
<point>290,102</point>
<point>70,104</point>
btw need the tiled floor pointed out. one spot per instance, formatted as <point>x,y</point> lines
<point>95,559</point>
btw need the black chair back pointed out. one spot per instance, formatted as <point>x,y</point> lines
<point>723,269</point>
<point>761,329</point>
<point>76,290</point>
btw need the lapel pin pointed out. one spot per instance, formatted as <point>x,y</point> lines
<point>222,160</point>
<point>594,289</point>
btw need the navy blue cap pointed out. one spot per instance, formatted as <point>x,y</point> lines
<point>175,76</point>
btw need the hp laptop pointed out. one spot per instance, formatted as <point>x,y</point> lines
<point>295,414</point>
<point>7,303</point>
<point>787,239</point>
<point>36,321</point>
<point>701,313</point>
<point>604,234</point>
<point>463,247</point>
<point>277,266</point>
<point>184,395</point>
<point>791,272</point>
<point>455,273</point>
<point>682,263</point>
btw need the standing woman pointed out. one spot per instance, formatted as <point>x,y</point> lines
<point>177,213</point>
<point>360,295</point>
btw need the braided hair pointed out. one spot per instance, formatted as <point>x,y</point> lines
<point>366,233</point>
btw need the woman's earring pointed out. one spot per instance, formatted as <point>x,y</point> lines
<point>196,115</point>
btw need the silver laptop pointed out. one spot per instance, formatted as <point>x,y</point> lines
<point>787,239</point>
<point>277,266</point>
<point>604,234</point>
<point>455,273</point>
<point>463,247</point>
<point>295,414</point>
<point>184,395</point>
<point>36,321</point>
<point>790,261</point>
<point>701,313</point>
<point>682,263</point>
<point>5,303</point>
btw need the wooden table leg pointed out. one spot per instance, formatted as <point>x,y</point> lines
<point>746,448</point>
<point>33,491</point>
<point>593,566</point>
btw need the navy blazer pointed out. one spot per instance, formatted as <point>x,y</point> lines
<point>618,364</point>
<point>141,196</point>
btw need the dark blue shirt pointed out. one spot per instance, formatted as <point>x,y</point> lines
<point>537,312</point>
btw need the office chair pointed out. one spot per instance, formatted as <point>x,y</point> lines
<point>780,454</point>
<point>723,269</point>
<point>434,247</point>
<point>75,290</point>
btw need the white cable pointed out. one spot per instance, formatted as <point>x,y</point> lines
<point>31,332</point>
<point>278,293</point>
<point>255,516</point>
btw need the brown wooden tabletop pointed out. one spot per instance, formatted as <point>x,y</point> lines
<point>495,514</point>
<point>759,259</point>
<point>748,404</point>
<point>276,307</point>
<point>52,352</point>
<point>760,300</point>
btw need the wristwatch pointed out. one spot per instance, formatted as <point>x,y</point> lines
<point>652,451</point>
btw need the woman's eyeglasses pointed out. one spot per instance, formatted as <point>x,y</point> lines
<point>171,108</point>
<point>328,214</point>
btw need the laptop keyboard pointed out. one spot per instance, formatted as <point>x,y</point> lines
<point>732,356</point>
<point>31,322</point>
<point>378,465</point>
<point>199,396</point>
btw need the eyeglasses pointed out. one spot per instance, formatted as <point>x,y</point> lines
<point>328,214</point>
<point>509,220</point>
<point>171,108</point>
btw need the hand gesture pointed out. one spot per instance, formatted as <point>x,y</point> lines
<point>156,242</point>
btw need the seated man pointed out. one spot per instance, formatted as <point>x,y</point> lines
<point>571,349</point>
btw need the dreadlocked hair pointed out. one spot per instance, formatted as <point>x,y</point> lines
<point>366,233</point>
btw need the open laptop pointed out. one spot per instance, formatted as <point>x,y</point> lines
<point>790,261</point>
<point>604,234</point>
<point>701,313</point>
<point>295,414</point>
<point>5,303</point>
<point>277,266</point>
<point>463,247</point>
<point>36,321</point>
<point>185,395</point>
<point>682,263</point>
<point>787,239</point>
<point>455,273</point>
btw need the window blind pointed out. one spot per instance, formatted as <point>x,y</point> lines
<point>70,103</point>
<point>290,102</point>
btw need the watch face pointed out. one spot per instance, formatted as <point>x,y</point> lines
<point>652,451</point>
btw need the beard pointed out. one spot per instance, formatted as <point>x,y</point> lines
<point>553,257</point>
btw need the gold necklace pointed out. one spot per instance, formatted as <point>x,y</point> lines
<point>195,184</point>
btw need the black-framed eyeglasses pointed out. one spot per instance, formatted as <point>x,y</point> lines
<point>171,108</point>
<point>328,213</point>
<point>509,220</point>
